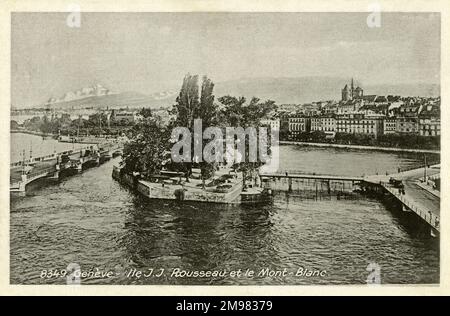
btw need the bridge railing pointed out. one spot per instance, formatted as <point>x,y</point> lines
<point>40,158</point>
<point>41,172</point>
<point>429,217</point>
<point>303,172</point>
<point>14,184</point>
<point>415,166</point>
<point>108,145</point>
<point>434,176</point>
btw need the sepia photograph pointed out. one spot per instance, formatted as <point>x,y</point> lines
<point>225,148</point>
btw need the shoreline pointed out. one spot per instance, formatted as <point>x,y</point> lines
<point>362,147</point>
<point>24,131</point>
<point>288,142</point>
<point>92,140</point>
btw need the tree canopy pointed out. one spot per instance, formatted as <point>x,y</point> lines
<point>146,152</point>
<point>150,140</point>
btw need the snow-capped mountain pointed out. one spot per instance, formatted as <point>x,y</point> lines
<point>92,91</point>
<point>163,95</point>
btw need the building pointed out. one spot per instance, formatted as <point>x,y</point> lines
<point>352,93</point>
<point>358,124</point>
<point>429,126</point>
<point>323,124</point>
<point>369,99</point>
<point>125,116</point>
<point>330,109</point>
<point>430,121</point>
<point>407,124</point>
<point>290,108</point>
<point>299,124</point>
<point>381,99</point>
<point>389,126</point>
<point>273,123</point>
<point>312,109</point>
<point>316,124</point>
<point>410,108</point>
<point>284,122</point>
<point>349,106</point>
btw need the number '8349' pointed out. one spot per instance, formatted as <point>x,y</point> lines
<point>53,273</point>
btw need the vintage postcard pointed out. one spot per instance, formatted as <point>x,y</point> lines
<point>224,148</point>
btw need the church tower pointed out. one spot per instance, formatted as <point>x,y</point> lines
<point>352,91</point>
<point>346,93</point>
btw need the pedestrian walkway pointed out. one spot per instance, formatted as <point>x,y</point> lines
<point>429,188</point>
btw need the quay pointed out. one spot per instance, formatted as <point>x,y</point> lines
<point>362,147</point>
<point>25,131</point>
<point>226,187</point>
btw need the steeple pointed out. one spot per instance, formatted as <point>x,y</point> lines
<point>352,90</point>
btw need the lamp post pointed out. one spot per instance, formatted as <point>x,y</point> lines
<point>425,170</point>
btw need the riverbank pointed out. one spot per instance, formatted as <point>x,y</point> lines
<point>66,139</point>
<point>24,131</point>
<point>228,188</point>
<point>362,147</point>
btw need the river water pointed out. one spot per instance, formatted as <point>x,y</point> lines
<point>37,145</point>
<point>92,221</point>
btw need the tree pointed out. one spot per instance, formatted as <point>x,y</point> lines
<point>145,153</point>
<point>145,112</point>
<point>190,106</point>
<point>237,113</point>
<point>207,110</point>
<point>187,102</point>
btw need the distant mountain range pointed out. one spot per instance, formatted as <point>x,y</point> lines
<point>281,90</point>
<point>95,90</point>
<point>131,100</point>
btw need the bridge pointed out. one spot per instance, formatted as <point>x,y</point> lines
<point>51,166</point>
<point>290,174</point>
<point>19,185</point>
<point>292,180</point>
<point>46,157</point>
<point>416,196</point>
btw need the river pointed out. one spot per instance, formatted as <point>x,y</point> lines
<point>37,145</point>
<point>91,220</point>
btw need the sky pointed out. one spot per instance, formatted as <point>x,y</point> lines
<point>151,52</point>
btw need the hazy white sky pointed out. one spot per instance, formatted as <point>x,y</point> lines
<point>150,52</point>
